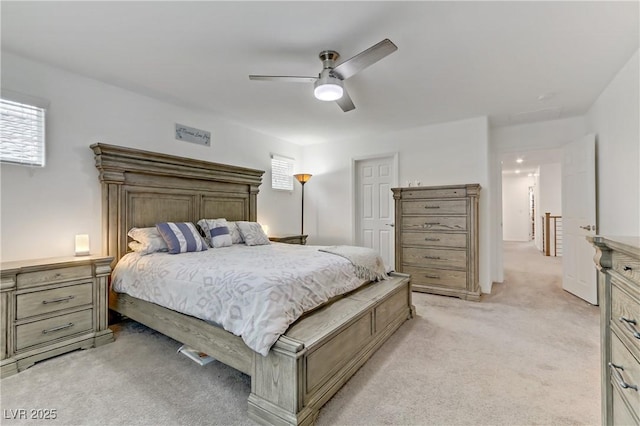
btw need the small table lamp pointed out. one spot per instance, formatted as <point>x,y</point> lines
<point>82,245</point>
<point>302,178</point>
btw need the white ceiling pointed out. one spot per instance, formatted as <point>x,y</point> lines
<point>530,161</point>
<point>455,60</point>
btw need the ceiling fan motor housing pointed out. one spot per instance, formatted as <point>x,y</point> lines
<point>328,58</point>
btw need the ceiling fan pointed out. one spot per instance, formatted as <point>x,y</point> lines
<point>328,86</point>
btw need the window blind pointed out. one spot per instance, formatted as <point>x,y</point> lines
<point>282,172</point>
<point>21,133</point>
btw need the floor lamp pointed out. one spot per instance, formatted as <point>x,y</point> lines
<point>302,178</point>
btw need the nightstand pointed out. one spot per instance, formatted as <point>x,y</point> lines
<point>52,306</point>
<point>290,239</point>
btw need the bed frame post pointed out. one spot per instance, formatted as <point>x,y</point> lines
<point>277,386</point>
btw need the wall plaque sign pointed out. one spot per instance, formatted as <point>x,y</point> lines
<point>190,134</point>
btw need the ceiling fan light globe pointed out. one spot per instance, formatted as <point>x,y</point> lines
<point>328,89</point>
<point>328,92</point>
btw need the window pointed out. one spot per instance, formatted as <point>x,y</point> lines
<point>282,172</point>
<point>21,130</point>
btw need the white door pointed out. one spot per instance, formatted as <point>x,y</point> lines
<point>374,207</point>
<point>579,218</point>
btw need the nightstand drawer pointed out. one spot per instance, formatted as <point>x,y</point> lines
<point>436,258</point>
<point>46,301</point>
<point>29,279</point>
<point>434,207</point>
<point>46,330</point>
<point>434,239</point>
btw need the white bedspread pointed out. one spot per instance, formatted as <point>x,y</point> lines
<point>253,292</point>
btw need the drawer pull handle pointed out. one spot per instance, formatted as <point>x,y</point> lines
<point>432,257</point>
<point>432,239</point>
<point>618,376</point>
<point>426,224</point>
<point>431,207</point>
<point>436,277</point>
<point>630,324</point>
<point>627,268</point>
<point>59,300</point>
<point>61,327</point>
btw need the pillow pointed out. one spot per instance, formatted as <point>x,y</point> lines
<point>148,240</point>
<point>181,237</point>
<point>207,224</point>
<point>216,232</point>
<point>236,236</point>
<point>253,234</point>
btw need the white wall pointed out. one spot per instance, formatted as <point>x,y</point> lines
<point>43,208</point>
<point>615,119</point>
<point>550,199</point>
<point>515,207</point>
<point>443,154</point>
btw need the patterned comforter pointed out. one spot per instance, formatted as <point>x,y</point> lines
<point>253,292</point>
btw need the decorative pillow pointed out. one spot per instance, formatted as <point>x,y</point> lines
<point>181,237</point>
<point>208,224</point>
<point>148,240</point>
<point>253,234</point>
<point>236,236</point>
<point>220,236</point>
<point>216,232</point>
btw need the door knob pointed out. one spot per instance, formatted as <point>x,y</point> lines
<point>588,227</point>
<point>390,224</point>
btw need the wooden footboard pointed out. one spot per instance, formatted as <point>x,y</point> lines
<point>308,364</point>
<point>319,354</point>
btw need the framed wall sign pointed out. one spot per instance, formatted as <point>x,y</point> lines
<point>190,134</point>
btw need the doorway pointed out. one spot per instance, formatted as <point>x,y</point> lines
<point>374,218</point>
<point>564,184</point>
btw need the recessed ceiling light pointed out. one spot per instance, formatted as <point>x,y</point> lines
<point>530,174</point>
<point>519,160</point>
<point>517,171</point>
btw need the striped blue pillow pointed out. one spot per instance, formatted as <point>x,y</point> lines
<point>181,237</point>
<point>220,236</point>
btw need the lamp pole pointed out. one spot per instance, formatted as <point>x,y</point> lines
<point>302,209</point>
<point>302,178</point>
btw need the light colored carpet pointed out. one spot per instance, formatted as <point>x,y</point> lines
<point>528,354</point>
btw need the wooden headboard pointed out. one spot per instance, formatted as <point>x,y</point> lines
<point>142,188</point>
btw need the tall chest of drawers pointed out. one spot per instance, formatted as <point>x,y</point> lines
<point>436,238</point>
<point>618,259</point>
<point>52,306</point>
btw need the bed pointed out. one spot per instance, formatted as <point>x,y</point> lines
<point>316,355</point>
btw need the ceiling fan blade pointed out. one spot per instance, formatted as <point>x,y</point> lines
<point>345,101</point>
<point>364,59</point>
<point>283,78</point>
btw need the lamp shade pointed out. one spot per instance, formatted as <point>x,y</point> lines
<point>328,88</point>
<point>302,177</point>
<point>82,245</point>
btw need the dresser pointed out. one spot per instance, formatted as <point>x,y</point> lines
<point>52,306</point>
<point>618,260</point>
<point>290,239</point>
<point>436,238</point>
